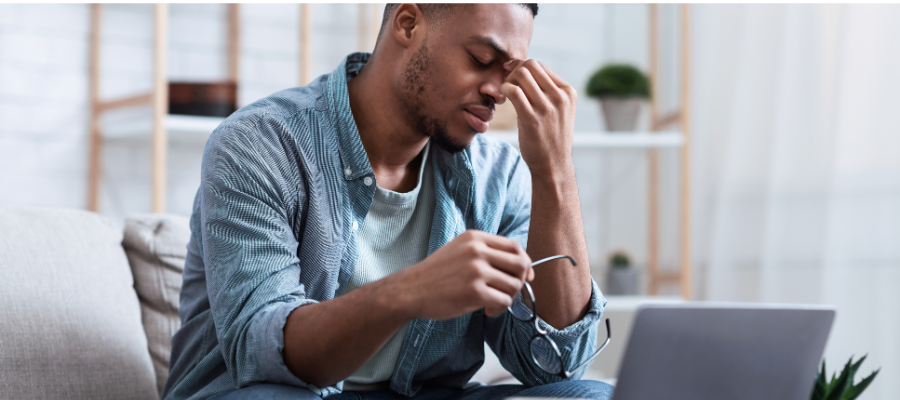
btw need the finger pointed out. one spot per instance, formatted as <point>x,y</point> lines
<point>550,88</point>
<point>518,99</point>
<point>503,280</point>
<point>494,300</point>
<point>541,77</point>
<point>511,65</point>
<point>539,72</point>
<point>560,82</point>
<point>502,243</point>
<point>523,78</point>
<point>527,258</point>
<point>515,264</point>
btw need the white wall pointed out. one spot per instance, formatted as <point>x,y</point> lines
<point>44,93</point>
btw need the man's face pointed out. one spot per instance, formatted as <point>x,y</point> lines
<point>450,84</point>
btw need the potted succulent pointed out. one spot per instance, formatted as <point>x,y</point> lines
<point>841,387</point>
<point>622,277</point>
<point>621,89</point>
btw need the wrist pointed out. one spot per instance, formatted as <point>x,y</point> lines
<point>396,298</point>
<point>559,178</point>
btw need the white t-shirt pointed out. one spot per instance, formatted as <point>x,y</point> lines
<point>393,236</point>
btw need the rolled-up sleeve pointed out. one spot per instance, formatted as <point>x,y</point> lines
<point>509,337</point>
<point>251,187</point>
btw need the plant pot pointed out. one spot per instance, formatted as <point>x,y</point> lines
<point>622,281</point>
<point>621,114</point>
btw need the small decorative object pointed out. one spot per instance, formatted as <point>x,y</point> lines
<point>206,99</point>
<point>622,278</point>
<point>841,387</point>
<point>621,89</point>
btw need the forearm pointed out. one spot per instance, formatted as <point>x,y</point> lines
<point>327,342</point>
<point>562,291</point>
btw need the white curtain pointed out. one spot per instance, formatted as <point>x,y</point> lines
<point>796,166</point>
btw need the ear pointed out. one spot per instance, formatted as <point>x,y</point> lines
<point>406,22</point>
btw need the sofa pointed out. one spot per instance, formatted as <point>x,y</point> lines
<point>88,310</point>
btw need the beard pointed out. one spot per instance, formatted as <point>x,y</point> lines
<point>416,77</point>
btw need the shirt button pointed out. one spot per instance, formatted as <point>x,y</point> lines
<point>348,172</point>
<point>368,181</point>
<point>355,225</point>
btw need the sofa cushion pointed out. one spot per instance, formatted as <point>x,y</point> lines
<point>156,245</point>
<point>71,323</point>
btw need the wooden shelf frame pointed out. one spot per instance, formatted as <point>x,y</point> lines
<point>683,276</point>
<point>163,123</point>
<point>158,99</point>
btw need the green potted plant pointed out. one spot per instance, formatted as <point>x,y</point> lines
<point>621,89</point>
<point>622,277</point>
<point>841,387</point>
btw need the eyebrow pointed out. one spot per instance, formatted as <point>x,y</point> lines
<point>493,44</point>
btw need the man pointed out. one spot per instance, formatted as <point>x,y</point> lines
<point>358,237</point>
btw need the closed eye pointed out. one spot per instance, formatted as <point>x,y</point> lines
<point>479,63</point>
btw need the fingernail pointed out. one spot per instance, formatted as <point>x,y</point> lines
<point>508,63</point>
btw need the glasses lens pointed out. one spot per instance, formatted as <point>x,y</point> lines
<point>522,307</point>
<point>546,355</point>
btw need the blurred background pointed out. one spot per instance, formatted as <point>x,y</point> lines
<point>764,167</point>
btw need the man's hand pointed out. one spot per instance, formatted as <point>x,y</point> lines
<point>475,270</point>
<point>545,105</point>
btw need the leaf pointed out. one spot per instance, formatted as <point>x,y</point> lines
<point>820,387</point>
<point>823,376</point>
<point>855,391</point>
<point>818,392</point>
<point>858,363</point>
<point>855,367</point>
<point>839,386</point>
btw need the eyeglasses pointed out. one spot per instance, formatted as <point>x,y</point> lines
<point>544,351</point>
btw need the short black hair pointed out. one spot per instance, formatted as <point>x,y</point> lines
<point>436,12</point>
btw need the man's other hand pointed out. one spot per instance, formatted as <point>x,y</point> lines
<point>545,106</point>
<point>475,270</point>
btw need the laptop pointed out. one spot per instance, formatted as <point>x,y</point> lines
<point>720,351</point>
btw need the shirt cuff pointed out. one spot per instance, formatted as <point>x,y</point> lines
<point>270,345</point>
<point>572,336</point>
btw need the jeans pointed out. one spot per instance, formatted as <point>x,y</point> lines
<point>585,389</point>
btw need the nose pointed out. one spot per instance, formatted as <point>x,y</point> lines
<point>491,88</point>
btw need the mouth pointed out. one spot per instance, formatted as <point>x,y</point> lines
<point>478,118</point>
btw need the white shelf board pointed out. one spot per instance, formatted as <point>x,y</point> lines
<point>180,128</point>
<point>190,128</point>
<point>618,303</point>
<point>601,139</point>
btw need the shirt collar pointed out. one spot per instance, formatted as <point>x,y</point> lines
<point>354,160</point>
<point>454,168</point>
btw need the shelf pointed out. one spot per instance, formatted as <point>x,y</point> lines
<point>618,303</point>
<point>601,139</point>
<point>180,128</point>
<point>196,129</point>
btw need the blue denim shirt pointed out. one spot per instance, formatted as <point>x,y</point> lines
<point>272,229</point>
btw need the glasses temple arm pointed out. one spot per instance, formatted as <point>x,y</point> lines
<point>596,353</point>
<point>553,258</point>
